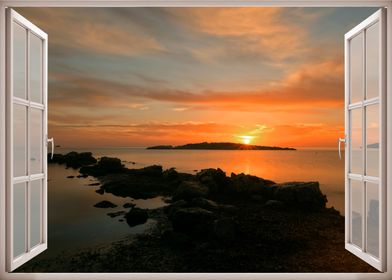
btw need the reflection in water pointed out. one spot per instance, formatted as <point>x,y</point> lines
<point>74,222</point>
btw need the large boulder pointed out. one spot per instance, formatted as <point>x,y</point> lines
<point>105,204</point>
<point>303,195</point>
<point>214,179</point>
<point>188,190</point>
<point>106,165</point>
<point>136,216</point>
<point>204,203</point>
<point>251,185</point>
<point>193,221</point>
<point>73,159</point>
<point>225,229</point>
<point>150,171</point>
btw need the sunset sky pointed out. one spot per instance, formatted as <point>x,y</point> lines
<point>149,76</point>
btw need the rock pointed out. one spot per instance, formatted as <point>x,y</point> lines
<point>304,195</point>
<point>204,203</point>
<point>225,229</point>
<point>250,185</point>
<point>214,179</point>
<point>73,159</point>
<point>150,171</point>
<point>105,204</point>
<point>136,216</point>
<point>70,177</point>
<point>121,220</point>
<point>194,221</point>
<point>94,184</point>
<point>100,191</point>
<point>82,176</point>
<point>257,198</point>
<point>129,205</point>
<point>274,204</point>
<point>174,206</point>
<point>105,165</point>
<point>115,214</point>
<point>189,190</point>
<point>170,174</point>
<point>231,209</point>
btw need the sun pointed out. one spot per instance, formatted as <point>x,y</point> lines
<point>246,139</point>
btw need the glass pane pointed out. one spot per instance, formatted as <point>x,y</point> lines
<point>19,143</point>
<point>19,219</point>
<point>35,69</point>
<point>356,212</point>
<point>19,61</point>
<point>372,61</point>
<point>356,68</point>
<point>372,225</point>
<point>36,141</point>
<point>356,141</point>
<point>35,214</point>
<point>372,140</point>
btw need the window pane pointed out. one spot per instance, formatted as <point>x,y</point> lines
<point>35,69</point>
<point>356,189</point>
<point>19,219</point>
<point>19,143</point>
<point>36,141</point>
<point>19,61</point>
<point>372,61</point>
<point>356,68</point>
<point>35,214</point>
<point>373,218</point>
<point>356,141</point>
<point>372,140</point>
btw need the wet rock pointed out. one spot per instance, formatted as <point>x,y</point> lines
<point>105,204</point>
<point>250,185</point>
<point>225,229</point>
<point>105,165</point>
<point>304,195</point>
<point>70,177</point>
<point>170,174</point>
<point>189,190</point>
<point>129,205</point>
<point>136,216</point>
<point>73,159</point>
<point>150,171</point>
<point>214,179</point>
<point>194,221</point>
<point>204,203</point>
<point>115,214</point>
<point>100,191</point>
<point>274,204</point>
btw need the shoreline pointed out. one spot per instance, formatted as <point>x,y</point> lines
<point>214,223</point>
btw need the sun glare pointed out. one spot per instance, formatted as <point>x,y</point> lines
<point>246,139</point>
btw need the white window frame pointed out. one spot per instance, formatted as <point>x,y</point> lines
<point>190,3</point>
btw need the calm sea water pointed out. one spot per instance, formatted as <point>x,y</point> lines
<point>75,223</point>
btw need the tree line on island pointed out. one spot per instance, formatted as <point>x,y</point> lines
<point>218,146</point>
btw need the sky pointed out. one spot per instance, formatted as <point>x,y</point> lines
<point>129,77</point>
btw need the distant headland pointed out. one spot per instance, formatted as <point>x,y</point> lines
<point>217,146</point>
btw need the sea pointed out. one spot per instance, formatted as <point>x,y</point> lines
<point>74,223</point>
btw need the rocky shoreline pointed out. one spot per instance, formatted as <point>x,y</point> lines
<point>213,223</point>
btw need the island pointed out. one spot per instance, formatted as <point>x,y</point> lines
<point>218,146</point>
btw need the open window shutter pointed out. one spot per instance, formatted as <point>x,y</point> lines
<point>365,115</point>
<point>26,140</point>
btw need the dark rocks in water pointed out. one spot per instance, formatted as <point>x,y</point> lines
<point>189,190</point>
<point>115,214</point>
<point>70,177</point>
<point>303,195</point>
<point>73,159</point>
<point>121,220</point>
<point>170,174</point>
<point>274,204</point>
<point>214,179</point>
<point>94,184</point>
<point>151,171</point>
<point>136,216</point>
<point>105,204</point>
<point>204,203</point>
<point>129,205</point>
<point>230,209</point>
<point>225,229</point>
<point>100,191</point>
<point>105,165</point>
<point>251,185</point>
<point>194,221</point>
